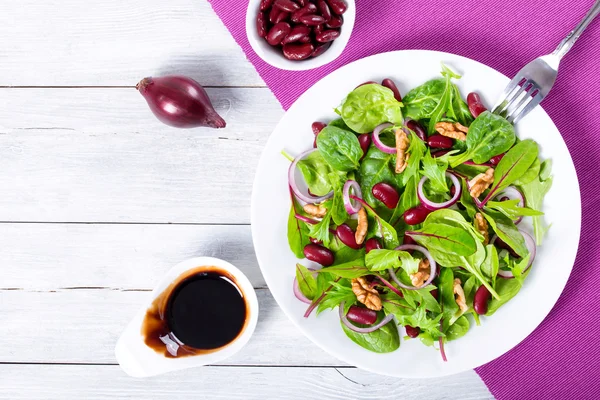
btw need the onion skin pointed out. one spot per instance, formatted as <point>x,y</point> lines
<point>180,102</point>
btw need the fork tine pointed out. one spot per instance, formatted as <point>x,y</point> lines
<point>530,106</point>
<point>508,96</point>
<point>524,99</point>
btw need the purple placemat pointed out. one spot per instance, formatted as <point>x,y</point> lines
<point>561,359</point>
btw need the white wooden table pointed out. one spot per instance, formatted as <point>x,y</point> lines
<point>98,200</point>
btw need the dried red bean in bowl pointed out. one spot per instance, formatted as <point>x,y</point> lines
<point>338,6</point>
<point>312,19</point>
<point>324,9</point>
<point>327,36</point>
<point>335,22</point>
<point>300,51</point>
<point>372,244</point>
<point>317,29</point>
<point>386,194</point>
<point>277,33</point>
<point>305,39</point>
<point>286,5</point>
<point>319,254</point>
<point>297,33</point>
<point>320,49</point>
<point>310,8</point>
<point>388,83</point>
<point>265,4</point>
<point>261,24</point>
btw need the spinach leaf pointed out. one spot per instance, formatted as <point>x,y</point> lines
<point>531,173</point>
<point>350,270</point>
<point>513,165</point>
<point>339,148</point>
<point>458,329</point>
<point>511,209</point>
<point>343,253</point>
<point>376,167</point>
<point>338,210</point>
<point>453,218</point>
<point>306,281</point>
<point>382,229</point>
<point>445,104</point>
<point>370,105</point>
<point>383,340</point>
<point>506,230</point>
<point>490,265</point>
<point>507,289</point>
<point>446,292</point>
<point>461,109</point>
<point>340,291</point>
<point>489,135</point>
<point>467,201</point>
<point>382,259</point>
<point>297,231</point>
<point>444,238</point>
<point>316,172</point>
<point>534,193</point>
<point>420,102</point>
<point>435,170</point>
<point>408,199</point>
<point>321,230</point>
<point>339,123</point>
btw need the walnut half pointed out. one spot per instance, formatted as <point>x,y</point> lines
<point>419,278</point>
<point>481,182</point>
<point>315,210</point>
<point>402,143</point>
<point>366,294</point>
<point>452,130</point>
<point>459,296</point>
<point>363,226</point>
<point>482,227</point>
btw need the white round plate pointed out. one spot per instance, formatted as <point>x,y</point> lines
<point>497,334</point>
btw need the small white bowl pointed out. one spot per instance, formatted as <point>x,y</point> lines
<point>274,56</point>
<point>139,360</point>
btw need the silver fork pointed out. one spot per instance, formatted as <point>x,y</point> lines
<point>533,82</point>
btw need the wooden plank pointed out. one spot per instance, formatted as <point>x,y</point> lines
<point>83,325</point>
<point>114,42</point>
<point>104,381</point>
<point>100,155</point>
<point>42,257</point>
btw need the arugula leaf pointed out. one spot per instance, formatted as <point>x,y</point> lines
<point>506,230</point>
<point>416,150</point>
<point>384,340</point>
<point>445,104</point>
<point>461,109</point>
<point>534,193</point>
<point>383,230</point>
<point>438,237</point>
<point>340,291</point>
<point>368,106</point>
<point>435,170</point>
<point>321,230</point>
<point>306,281</point>
<point>511,209</point>
<point>349,270</point>
<point>489,135</point>
<point>315,171</point>
<point>339,148</point>
<point>382,259</point>
<point>513,165</point>
<point>446,292</point>
<point>490,265</point>
<point>297,231</point>
<point>458,329</point>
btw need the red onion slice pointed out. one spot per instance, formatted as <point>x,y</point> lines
<point>355,328</point>
<point>377,141</point>
<point>432,206</point>
<point>298,293</point>
<point>306,219</point>
<point>432,265</point>
<point>513,194</point>
<point>530,244</point>
<point>352,207</point>
<point>473,164</point>
<point>307,198</point>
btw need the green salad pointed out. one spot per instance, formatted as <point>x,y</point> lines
<point>408,211</point>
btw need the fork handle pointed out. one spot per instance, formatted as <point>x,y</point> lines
<point>568,42</point>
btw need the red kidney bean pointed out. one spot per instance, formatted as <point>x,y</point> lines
<point>388,83</point>
<point>265,4</point>
<point>261,24</point>
<point>365,141</point>
<point>317,29</point>
<point>318,254</point>
<point>347,236</point>
<point>317,127</point>
<point>305,39</point>
<point>327,36</point>
<point>416,215</point>
<point>274,14</point>
<point>324,9</point>
<point>315,241</point>
<point>503,245</point>
<point>496,159</point>
<point>435,293</point>
<point>286,5</point>
<point>408,240</point>
<point>315,143</point>
<point>412,332</point>
<point>475,105</point>
<point>440,142</point>
<point>310,8</point>
<point>439,153</point>
<point>282,17</point>
<point>278,32</point>
<point>312,19</point>
<point>372,244</point>
<point>301,51</point>
<point>297,33</point>
<point>504,198</point>
<point>335,22</point>
<point>481,300</point>
<point>320,49</point>
<point>302,2</point>
<point>361,315</point>
<point>386,194</point>
<point>338,6</point>
<point>417,128</point>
